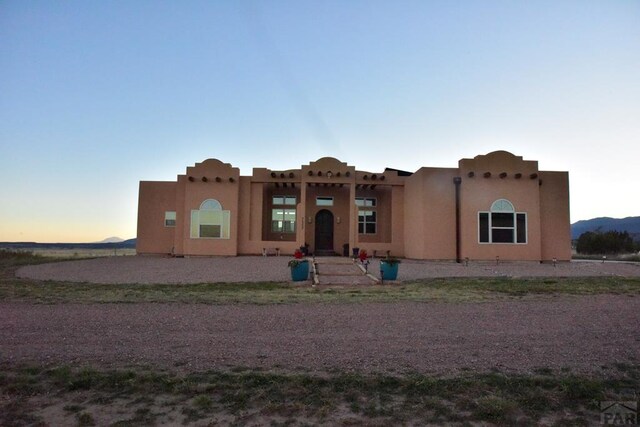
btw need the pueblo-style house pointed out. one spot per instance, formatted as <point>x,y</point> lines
<point>494,205</point>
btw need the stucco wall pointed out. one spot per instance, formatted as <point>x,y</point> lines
<point>480,191</point>
<point>555,232</point>
<point>416,214</point>
<point>210,179</point>
<point>154,199</point>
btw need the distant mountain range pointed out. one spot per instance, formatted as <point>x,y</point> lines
<point>113,239</point>
<point>123,244</point>
<point>630,224</point>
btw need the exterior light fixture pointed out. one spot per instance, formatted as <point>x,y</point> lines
<point>503,175</point>
<point>487,174</point>
<point>204,179</point>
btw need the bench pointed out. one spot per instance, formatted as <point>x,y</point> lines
<point>270,251</point>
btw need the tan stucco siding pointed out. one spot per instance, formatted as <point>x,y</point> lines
<point>440,213</point>
<point>499,175</point>
<point>155,198</point>
<point>477,195</point>
<point>555,232</point>
<point>415,213</point>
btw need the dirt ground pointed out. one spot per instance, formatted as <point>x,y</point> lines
<point>568,333</point>
<point>581,333</point>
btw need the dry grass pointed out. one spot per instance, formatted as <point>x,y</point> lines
<point>86,396</point>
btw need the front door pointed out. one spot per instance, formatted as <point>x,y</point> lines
<point>324,230</point>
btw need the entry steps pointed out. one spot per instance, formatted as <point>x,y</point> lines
<point>340,271</point>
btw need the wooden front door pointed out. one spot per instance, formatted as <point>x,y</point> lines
<point>324,230</point>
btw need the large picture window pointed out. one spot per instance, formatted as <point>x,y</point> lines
<point>366,215</point>
<point>210,221</point>
<point>283,217</point>
<point>502,224</point>
<point>283,220</point>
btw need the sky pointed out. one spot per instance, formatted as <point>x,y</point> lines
<point>96,96</point>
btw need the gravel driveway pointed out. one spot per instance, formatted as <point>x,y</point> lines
<point>146,269</point>
<point>582,333</point>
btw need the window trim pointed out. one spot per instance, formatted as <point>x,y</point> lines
<point>284,198</point>
<point>210,205</point>
<point>365,222</point>
<point>284,213</point>
<point>325,198</point>
<point>169,216</point>
<point>364,200</point>
<point>502,207</point>
<point>367,208</point>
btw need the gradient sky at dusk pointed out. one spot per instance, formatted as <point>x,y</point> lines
<point>96,96</point>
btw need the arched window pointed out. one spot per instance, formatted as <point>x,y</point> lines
<point>210,221</point>
<point>502,205</point>
<point>502,224</point>
<point>211,205</point>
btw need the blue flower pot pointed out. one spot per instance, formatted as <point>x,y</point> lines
<point>389,271</point>
<point>300,272</point>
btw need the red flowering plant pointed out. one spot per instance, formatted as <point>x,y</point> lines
<point>362,255</point>
<point>297,254</point>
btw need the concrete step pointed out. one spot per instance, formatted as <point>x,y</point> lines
<point>340,271</point>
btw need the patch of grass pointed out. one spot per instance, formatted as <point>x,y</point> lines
<point>493,397</point>
<point>85,419</point>
<point>202,402</point>
<point>13,258</point>
<point>495,409</point>
<point>432,290</point>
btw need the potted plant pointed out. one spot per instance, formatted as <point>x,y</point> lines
<point>389,268</point>
<point>299,267</point>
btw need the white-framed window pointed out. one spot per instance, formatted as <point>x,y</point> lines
<point>366,201</point>
<point>283,220</point>
<point>324,201</point>
<point>366,222</point>
<point>210,221</point>
<point>169,219</point>
<point>502,224</point>
<point>283,216</point>
<point>283,200</point>
<point>367,217</point>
